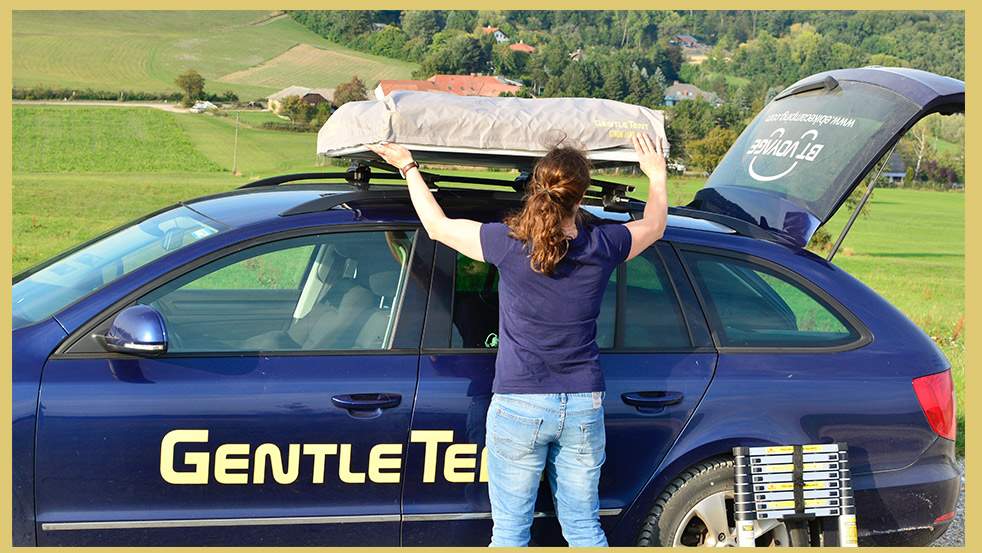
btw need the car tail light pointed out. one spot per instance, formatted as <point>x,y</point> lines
<point>945,517</point>
<point>936,393</point>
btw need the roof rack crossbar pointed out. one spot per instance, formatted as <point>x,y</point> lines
<point>360,174</point>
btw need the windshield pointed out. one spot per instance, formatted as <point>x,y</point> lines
<point>812,148</point>
<point>51,287</point>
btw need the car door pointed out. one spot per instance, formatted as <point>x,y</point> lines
<point>278,415</point>
<point>657,358</point>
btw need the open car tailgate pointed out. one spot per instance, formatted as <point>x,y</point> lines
<point>810,147</point>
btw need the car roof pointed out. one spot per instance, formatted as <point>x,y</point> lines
<point>244,207</point>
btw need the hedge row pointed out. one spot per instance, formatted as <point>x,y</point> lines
<point>55,93</point>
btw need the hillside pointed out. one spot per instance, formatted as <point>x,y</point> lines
<point>250,53</point>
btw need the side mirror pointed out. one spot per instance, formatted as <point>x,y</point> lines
<point>136,330</point>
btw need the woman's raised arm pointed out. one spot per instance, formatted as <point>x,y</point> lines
<point>647,230</point>
<point>463,235</point>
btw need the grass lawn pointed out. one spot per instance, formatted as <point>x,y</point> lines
<point>245,52</point>
<point>261,152</point>
<point>79,139</point>
<point>66,189</point>
<point>255,118</point>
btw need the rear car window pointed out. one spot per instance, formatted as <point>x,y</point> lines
<point>753,306</point>
<point>652,318</point>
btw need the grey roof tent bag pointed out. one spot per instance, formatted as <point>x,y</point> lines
<point>475,130</point>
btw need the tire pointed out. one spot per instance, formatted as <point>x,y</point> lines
<point>696,509</point>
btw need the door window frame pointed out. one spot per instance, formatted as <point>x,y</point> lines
<point>438,330</point>
<point>826,300</point>
<point>408,314</point>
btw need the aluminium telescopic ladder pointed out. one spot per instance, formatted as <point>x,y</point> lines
<point>795,484</point>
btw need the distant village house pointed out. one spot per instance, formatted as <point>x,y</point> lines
<point>461,85</point>
<point>499,36</point>
<point>312,96</point>
<point>678,92</point>
<point>896,170</point>
<point>686,41</point>
<point>522,47</point>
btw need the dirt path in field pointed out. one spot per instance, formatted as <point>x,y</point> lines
<point>173,108</point>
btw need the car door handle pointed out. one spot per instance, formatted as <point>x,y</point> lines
<point>651,400</point>
<point>366,402</point>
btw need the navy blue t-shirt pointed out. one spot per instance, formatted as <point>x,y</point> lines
<point>547,339</point>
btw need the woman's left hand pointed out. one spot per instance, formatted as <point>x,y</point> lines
<point>393,154</point>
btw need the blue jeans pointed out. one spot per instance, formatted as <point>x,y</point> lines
<point>561,433</point>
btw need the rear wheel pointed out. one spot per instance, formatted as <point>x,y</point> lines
<point>696,510</point>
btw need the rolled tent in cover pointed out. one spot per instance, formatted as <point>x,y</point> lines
<point>477,130</point>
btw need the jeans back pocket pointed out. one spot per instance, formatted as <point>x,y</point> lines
<point>512,435</point>
<point>592,441</point>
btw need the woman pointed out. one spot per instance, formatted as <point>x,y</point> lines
<point>546,412</point>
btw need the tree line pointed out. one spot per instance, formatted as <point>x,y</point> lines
<point>631,56</point>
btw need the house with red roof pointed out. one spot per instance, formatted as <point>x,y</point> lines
<point>461,85</point>
<point>521,47</point>
<point>499,35</point>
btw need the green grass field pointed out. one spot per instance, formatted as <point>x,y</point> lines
<point>910,248</point>
<point>68,139</point>
<point>144,51</point>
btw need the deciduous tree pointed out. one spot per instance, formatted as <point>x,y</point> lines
<point>192,84</point>
<point>707,152</point>
<point>351,91</point>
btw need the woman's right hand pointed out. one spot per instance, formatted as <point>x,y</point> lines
<point>651,155</point>
<point>394,154</point>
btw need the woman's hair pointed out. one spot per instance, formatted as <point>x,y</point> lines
<point>558,183</point>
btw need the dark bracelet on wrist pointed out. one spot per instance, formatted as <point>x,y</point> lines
<point>405,168</point>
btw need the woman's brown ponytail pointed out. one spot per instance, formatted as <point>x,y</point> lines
<point>558,183</point>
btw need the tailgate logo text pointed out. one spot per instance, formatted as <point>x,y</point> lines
<point>804,148</point>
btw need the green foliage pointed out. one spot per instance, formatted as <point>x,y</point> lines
<point>296,109</point>
<point>707,152</point>
<point>41,92</point>
<point>192,84</point>
<point>463,20</point>
<point>389,42</point>
<point>422,24</point>
<point>508,62</point>
<point>321,114</point>
<point>351,91</point>
<point>461,54</point>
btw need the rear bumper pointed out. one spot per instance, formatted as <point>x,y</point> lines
<point>899,507</point>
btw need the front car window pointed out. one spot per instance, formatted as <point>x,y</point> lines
<point>45,290</point>
<point>754,306</point>
<point>328,292</point>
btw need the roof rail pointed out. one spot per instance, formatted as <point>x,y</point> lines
<point>360,175</point>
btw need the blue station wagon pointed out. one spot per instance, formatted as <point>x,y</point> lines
<point>297,363</point>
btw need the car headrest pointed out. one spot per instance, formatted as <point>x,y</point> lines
<point>384,283</point>
<point>348,247</point>
<point>331,262</point>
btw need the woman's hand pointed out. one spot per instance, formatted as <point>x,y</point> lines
<point>651,155</point>
<point>393,154</point>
